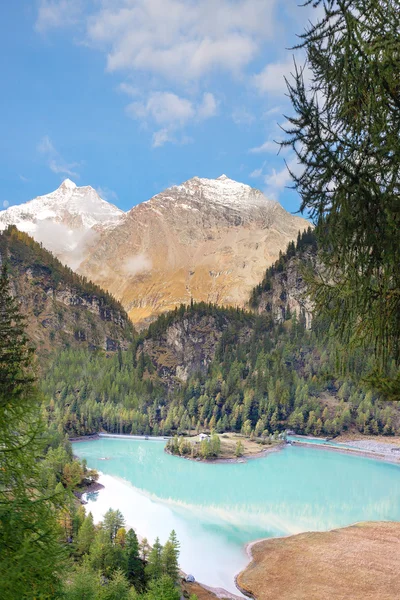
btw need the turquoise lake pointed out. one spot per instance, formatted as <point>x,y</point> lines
<point>217,508</point>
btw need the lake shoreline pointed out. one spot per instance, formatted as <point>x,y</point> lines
<point>270,553</point>
<point>373,454</point>
<point>219,592</point>
<point>377,453</point>
<point>223,461</point>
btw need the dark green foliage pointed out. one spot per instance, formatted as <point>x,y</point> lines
<point>345,132</point>
<point>170,556</point>
<point>111,567</point>
<point>135,567</point>
<point>200,309</point>
<point>86,535</point>
<point>84,584</point>
<point>154,568</point>
<point>269,382</point>
<point>112,522</point>
<point>29,549</point>
<point>163,589</point>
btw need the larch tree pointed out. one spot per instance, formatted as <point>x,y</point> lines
<point>345,133</point>
<point>29,545</point>
<point>154,566</point>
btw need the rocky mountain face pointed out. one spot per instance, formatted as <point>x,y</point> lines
<point>185,342</point>
<point>204,240</point>
<point>67,221</point>
<point>62,309</point>
<point>284,290</point>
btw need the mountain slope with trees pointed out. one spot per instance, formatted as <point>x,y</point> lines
<point>204,367</point>
<point>64,309</point>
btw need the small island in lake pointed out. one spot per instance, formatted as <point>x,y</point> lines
<point>222,448</point>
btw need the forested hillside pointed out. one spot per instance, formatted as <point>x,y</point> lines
<point>204,367</point>
<point>64,309</point>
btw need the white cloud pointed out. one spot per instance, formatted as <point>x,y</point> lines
<point>181,39</point>
<point>161,137</point>
<point>272,111</point>
<point>163,107</point>
<point>276,181</point>
<point>256,173</point>
<point>55,161</point>
<point>172,112</point>
<point>268,146</point>
<point>271,80</point>
<point>208,107</point>
<point>45,145</point>
<point>172,50</point>
<point>54,14</point>
<point>128,89</point>
<point>70,244</point>
<point>6,204</point>
<point>107,194</point>
<point>137,264</point>
<point>241,116</point>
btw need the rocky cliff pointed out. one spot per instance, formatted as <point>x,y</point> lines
<point>62,308</point>
<point>283,290</point>
<point>185,341</point>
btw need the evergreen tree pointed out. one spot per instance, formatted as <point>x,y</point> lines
<point>135,568</point>
<point>86,535</point>
<point>170,556</point>
<point>30,553</point>
<point>345,133</point>
<point>83,585</point>
<point>104,556</point>
<point>163,589</point>
<point>117,588</point>
<point>239,450</point>
<point>113,520</point>
<point>154,566</point>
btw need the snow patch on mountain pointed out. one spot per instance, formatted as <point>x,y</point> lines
<point>222,192</point>
<point>65,221</point>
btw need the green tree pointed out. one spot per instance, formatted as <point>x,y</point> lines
<point>154,566</point>
<point>163,589</point>
<point>117,588</point>
<point>239,450</point>
<point>135,567</point>
<point>345,133</point>
<point>104,556</point>
<point>31,556</point>
<point>83,585</point>
<point>215,444</point>
<point>170,556</point>
<point>113,520</point>
<point>86,535</point>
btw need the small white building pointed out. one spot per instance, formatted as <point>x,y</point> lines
<point>204,436</point>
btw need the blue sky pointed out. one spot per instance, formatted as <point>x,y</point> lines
<point>132,96</point>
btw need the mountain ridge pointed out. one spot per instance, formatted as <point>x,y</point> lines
<point>203,240</point>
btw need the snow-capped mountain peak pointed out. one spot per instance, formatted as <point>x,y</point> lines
<point>64,220</point>
<point>68,184</point>
<point>222,192</point>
